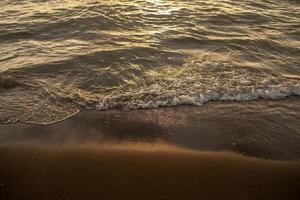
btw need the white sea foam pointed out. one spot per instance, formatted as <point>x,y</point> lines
<point>196,83</point>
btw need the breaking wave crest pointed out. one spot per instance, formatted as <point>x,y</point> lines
<point>196,82</point>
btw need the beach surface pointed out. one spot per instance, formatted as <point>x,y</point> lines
<point>265,129</point>
<point>141,171</point>
<point>181,152</point>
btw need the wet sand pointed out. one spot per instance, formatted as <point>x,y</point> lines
<point>265,129</point>
<point>141,171</point>
<point>168,153</point>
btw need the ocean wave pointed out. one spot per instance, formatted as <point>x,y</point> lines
<point>195,83</point>
<point>47,99</point>
<point>126,55</point>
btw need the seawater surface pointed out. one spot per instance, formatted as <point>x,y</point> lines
<point>59,57</point>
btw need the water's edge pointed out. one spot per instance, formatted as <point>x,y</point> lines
<point>260,128</point>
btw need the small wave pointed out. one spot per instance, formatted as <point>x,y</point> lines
<point>197,82</point>
<point>16,35</point>
<point>8,83</point>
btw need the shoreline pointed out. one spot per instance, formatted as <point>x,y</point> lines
<point>19,121</point>
<point>263,128</point>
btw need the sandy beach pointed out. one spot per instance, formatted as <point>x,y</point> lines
<point>265,129</point>
<point>167,153</point>
<point>141,171</point>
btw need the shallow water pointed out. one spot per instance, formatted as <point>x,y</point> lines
<point>60,57</point>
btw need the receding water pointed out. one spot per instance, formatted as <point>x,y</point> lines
<point>60,57</point>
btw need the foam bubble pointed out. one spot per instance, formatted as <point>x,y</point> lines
<point>197,82</point>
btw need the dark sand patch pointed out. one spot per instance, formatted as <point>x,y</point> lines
<point>140,171</point>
